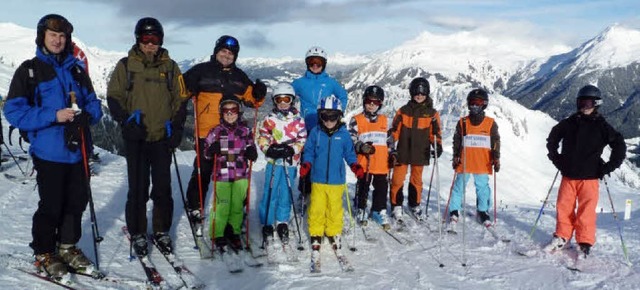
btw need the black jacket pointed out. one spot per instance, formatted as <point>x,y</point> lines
<point>583,140</point>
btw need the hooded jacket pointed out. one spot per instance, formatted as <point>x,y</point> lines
<point>327,154</point>
<point>54,81</point>
<point>310,88</point>
<point>283,128</point>
<point>149,91</point>
<point>415,127</point>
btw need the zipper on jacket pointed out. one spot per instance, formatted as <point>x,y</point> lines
<point>329,158</point>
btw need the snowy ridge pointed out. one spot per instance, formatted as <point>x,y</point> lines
<point>616,46</point>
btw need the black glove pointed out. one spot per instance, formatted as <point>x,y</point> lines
<point>438,151</point>
<point>259,90</point>
<point>605,169</point>
<point>251,153</point>
<point>367,148</point>
<point>72,137</point>
<point>278,151</point>
<point>213,149</point>
<point>393,160</point>
<point>82,120</point>
<point>496,165</point>
<point>133,131</point>
<point>175,139</point>
<point>556,160</point>
<point>456,161</point>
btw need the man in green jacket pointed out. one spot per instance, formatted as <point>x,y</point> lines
<point>145,95</point>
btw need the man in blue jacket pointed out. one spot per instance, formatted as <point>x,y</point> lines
<point>51,98</point>
<point>313,86</point>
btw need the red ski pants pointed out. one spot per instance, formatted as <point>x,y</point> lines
<point>582,220</point>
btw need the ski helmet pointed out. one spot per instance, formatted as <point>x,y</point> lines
<point>149,25</point>
<point>419,85</point>
<point>230,99</point>
<point>589,92</point>
<point>57,23</point>
<point>283,89</point>
<point>373,92</point>
<point>316,51</point>
<point>330,103</point>
<point>477,94</point>
<point>228,42</point>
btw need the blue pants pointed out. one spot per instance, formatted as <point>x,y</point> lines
<point>483,191</point>
<point>276,196</point>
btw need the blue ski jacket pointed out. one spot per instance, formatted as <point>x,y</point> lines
<point>35,111</point>
<point>326,153</point>
<point>310,88</point>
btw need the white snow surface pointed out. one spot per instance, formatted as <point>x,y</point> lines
<point>522,185</point>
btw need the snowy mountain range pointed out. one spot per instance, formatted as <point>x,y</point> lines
<point>453,64</point>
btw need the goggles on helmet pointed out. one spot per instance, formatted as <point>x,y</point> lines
<point>280,99</point>
<point>315,61</point>
<point>586,104</point>
<point>330,116</point>
<point>230,111</point>
<point>150,38</point>
<point>476,102</point>
<point>372,102</point>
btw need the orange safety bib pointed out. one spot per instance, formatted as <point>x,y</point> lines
<point>376,133</point>
<point>476,148</point>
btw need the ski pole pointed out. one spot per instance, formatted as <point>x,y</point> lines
<point>535,224</point>
<point>212,215</point>
<point>295,215</point>
<point>248,199</point>
<point>495,200</point>
<point>464,195</point>
<point>14,159</point>
<point>615,216</point>
<point>184,200</point>
<point>197,141</point>
<point>446,209</point>
<point>435,158</point>
<point>437,172</point>
<point>94,223</point>
<point>266,219</point>
<point>433,169</point>
<point>351,221</point>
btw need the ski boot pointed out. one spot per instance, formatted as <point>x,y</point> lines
<point>584,250</point>
<point>267,236</point>
<point>195,217</point>
<point>557,243</point>
<point>75,259</point>
<point>140,246</point>
<point>361,217</point>
<point>283,233</point>
<point>382,219</point>
<point>483,218</point>
<point>164,242</point>
<point>315,254</point>
<point>453,222</point>
<point>417,213</point>
<point>397,214</point>
<point>52,265</point>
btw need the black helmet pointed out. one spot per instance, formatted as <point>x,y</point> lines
<point>228,42</point>
<point>373,92</point>
<point>419,85</point>
<point>477,94</point>
<point>589,92</point>
<point>55,23</point>
<point>149,25</point>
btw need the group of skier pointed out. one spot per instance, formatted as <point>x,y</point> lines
<point>52,99</point>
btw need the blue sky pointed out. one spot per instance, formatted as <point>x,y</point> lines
<point>277,28</point>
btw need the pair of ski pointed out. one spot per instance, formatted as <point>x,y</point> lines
<point>490,229</point>
<point>67,283</point>
<point>235,259</point>
<point>343,262</point>
<point>155,279</point>
<point>570,256</point>
<point>272,249</point>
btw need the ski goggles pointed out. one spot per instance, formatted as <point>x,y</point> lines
<point>283,99</point>
<point>150,38</point>
<point>588,103</point>
<point>230,111</point>
<point>315,61</point>
<point>372,102</point>
<point>476,102</point>
<point>330,116</point>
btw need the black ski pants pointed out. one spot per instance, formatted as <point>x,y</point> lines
<point>148,163</point>
<point>206,169</point>
<point>380,187</point>
<point>63,195</point>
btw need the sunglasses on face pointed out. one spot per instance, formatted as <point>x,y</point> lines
<point>230,111</point>
<point>372,102</point>
<point>330,116</point>
<point>315,61</point>
<point>280,99</point>
<point>150,38</point>
<point>476,102</point>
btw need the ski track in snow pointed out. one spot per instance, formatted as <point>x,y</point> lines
<point>380,264</point>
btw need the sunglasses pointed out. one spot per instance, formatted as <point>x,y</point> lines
<point>283,99</point>
<point>315,61</point>
<point>476,102</point>
<point>372,102</point>
<point>230,111</point>
<point>330,116</point>
<point>150,38</point>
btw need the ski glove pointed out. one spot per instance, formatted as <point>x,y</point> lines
<point>605,169</point>
<point>367,148</point>
<point>133,131</point>
<point>438,151</point>
<point>496,165</point>
<point>305,168</point>
<point>214,149</point>
<point>393,160</point>
<point>357,170</point>
<point>280,151</point>
<point>175,140</point>
<point>72,136</point>
<point>456,162</point>
<point>251,153</point>
<point>83,119</point>
<point>259,90</point>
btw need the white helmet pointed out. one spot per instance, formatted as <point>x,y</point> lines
<point>283,89</point>
<point>316,51</point>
